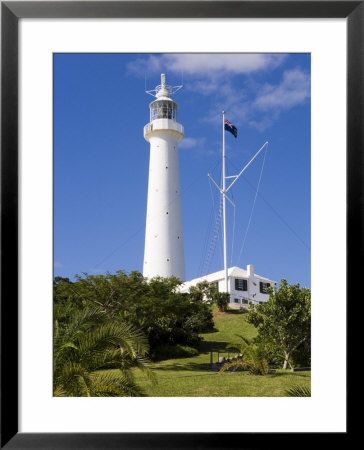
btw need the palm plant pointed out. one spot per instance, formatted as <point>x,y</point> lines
<point>87,343</point>
<point>250,358</point>
<point>298,391</point>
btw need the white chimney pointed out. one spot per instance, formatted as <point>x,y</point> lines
<point>250,270</point>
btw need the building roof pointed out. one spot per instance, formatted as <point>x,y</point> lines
<point>233,272</point>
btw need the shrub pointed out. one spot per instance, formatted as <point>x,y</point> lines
<point>165,315</point>
<point>221,299</point>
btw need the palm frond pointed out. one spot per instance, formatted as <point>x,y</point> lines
<point>298,391</point>
<point>87,343</point>
<point>249,359</point>
<point>236,363</point>
<point>58,391</point>
<point>244,339</point>
<point>72,380</point>
<point>114,385</point>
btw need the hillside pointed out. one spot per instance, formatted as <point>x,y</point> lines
<point>193,377</point>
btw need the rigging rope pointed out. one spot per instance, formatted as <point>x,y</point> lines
<point>252,210</point>
<point>207,235</point>
<point>213,241</point>
<point>233,238</point>
<point>277,214</point>
<point>203,261</point>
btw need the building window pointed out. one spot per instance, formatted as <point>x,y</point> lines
<point>263,287</point>
<point>245,301</point>
<point>236,300</point>
<point>241,285</point>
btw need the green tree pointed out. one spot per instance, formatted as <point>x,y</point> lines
<point>285,319</point>
<point>118,294</point>
<point>203,291</point>
<point>86,345</point>
<point>165,315</point>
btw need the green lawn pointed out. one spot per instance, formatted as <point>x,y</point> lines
<point>174,383</point>
<point>193,377</point>
<point>228,325</point>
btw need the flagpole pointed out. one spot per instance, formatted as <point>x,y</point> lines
<point>224,201</point>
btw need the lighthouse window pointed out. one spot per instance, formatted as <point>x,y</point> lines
<point>163,110</point>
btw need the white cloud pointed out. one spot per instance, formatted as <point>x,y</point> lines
<point>292,91</point>
<point>212,64</point>
<point>271,100</point>
<point>191,142</point>
<point>214,75</point>
<point>57,264</point>
<point>203,64</point>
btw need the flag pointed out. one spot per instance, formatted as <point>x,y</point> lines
<point>231,128</point>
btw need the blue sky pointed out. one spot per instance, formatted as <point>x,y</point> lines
<point>101,160</point>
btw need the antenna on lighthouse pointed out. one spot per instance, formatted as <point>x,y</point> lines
<point>163,89</point>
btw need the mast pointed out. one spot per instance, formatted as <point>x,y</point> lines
<point>224,190</point>
<point>224,200</point>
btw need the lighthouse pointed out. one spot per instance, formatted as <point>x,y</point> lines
<point>163,252</point>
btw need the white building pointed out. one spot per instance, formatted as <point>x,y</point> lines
<point>243,285</point>
<point>164,252</point>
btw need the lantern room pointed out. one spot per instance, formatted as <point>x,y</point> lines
<point>163,109</point>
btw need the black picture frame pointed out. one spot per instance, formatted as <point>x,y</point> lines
<point>11,12</point>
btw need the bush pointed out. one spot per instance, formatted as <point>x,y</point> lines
<point>201,320</point>
<point>168,351</point>
<point>164,314</point>
<point>222,300</point>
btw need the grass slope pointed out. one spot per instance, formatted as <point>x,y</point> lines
<point>193,377</point>
<point>228,325</point>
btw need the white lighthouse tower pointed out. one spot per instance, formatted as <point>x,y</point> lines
<point>163,253</point>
